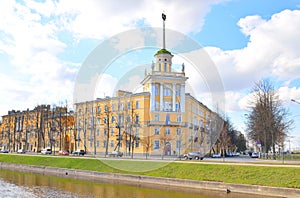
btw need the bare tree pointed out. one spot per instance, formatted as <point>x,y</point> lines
<point>268,119</point>
<point>224,139</point>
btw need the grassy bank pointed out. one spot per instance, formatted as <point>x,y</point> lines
<point>256,175</point>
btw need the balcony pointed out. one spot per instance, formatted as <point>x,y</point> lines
<point>156,123</point>
<point>163,123</point>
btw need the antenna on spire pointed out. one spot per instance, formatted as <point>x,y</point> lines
<point>164,19</point>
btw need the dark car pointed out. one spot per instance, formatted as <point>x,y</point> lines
<point>4,151</point>
<point>193,155</point>
<point>79,152</point>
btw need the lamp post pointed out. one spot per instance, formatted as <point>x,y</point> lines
<point>295,101</point>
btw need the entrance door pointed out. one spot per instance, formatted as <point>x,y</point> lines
<point>168,148</point>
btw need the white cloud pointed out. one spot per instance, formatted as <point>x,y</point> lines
<point>274,46</point>
<point>273,51</point>
<point>287,93</point>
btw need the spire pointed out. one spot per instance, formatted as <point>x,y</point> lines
<point>164,19</point>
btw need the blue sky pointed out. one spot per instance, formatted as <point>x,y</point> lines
<point>43,45</point>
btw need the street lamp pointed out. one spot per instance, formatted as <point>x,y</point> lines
<point>295,101</point>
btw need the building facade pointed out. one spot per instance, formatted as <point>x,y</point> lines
<point>162,120</point>
<point>33,130</point>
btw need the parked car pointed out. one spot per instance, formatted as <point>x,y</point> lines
<point>79,152</point>
<point>254,155</point>
<point>4,151</point>
<point>116,154</point>
<point>63,152</point>
<point>21,151</point>
<point>193,155</point>
<point>229,154</point>
<point>46,151</point>
<point>216,155</point>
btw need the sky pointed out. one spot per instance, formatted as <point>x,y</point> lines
<point>45,48</point>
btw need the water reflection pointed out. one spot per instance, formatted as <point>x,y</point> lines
<point>17,184</point>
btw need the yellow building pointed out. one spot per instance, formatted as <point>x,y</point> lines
<point>162,120</point>
<point>33,130</point>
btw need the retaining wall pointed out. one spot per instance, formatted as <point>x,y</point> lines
<point>153,181</point>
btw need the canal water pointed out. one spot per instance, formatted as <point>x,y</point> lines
<point>18,184</point>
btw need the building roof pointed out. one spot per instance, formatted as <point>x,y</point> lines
<point>163,51</point>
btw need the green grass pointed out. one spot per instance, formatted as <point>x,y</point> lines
<point>256,175</point>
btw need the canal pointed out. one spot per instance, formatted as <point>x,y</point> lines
<point>18,184</point>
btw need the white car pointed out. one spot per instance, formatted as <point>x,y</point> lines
<point>46,151</point>
<point>216,155</point>
<point>22,151</point>
<point>254,155</point>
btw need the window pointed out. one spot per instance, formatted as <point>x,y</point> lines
<point>92,110</point>
<point>104,132</point>
<point>121,107</point>
<point>105,108</point>
<point>156,90</point>
<point>137,104</point>
<point>137,118</point>
<point>98,143</point>
<point>121,118</point>
<point>177,106</point>
<point>128,118</point>
<point>159,67</point>
<point>178,131</point>
<point>104,144</point>
<point>167,106</point>
<point>165,67</point>
<point>91,121</point>
<point>91,135</point>
<point>105,120</point>
<point>156,117</point>
<point>168,119</point>
<point>156,131</point>
<point>128,106</point>
<point>201,123</point>
<point>167,91</point>
<point>178,144</point>
<point>98,132</point>
<point>168,131</point>
<point>112,143</point>
<point>112,119</point>
<point>91,144</point>
<point>156,144</point>
<point>78,124</point>
<point>98,120</point>
<point>98,109</point>
<point>137,132</point>
<point>178,118</point>
<point>112,133</point>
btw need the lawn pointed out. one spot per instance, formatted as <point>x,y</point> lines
<point>256,175</point>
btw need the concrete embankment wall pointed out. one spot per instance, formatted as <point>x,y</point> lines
<point>147,181</point>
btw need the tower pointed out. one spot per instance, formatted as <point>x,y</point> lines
<point>166,87</point>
